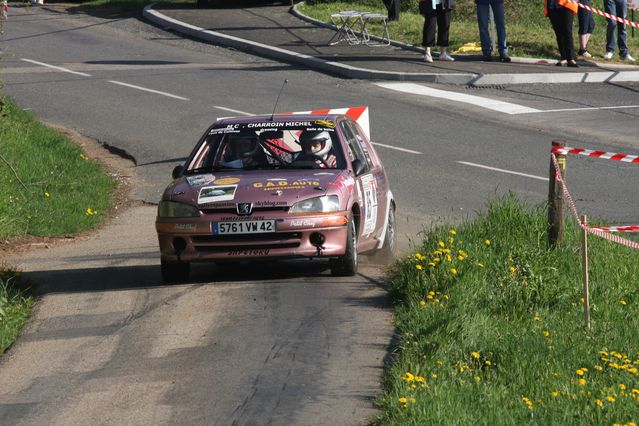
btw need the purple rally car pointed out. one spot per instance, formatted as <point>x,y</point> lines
<point>282,186</point>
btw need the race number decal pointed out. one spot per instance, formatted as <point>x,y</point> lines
<point>369,186</point>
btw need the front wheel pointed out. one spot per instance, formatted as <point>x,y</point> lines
<point>175,272</point>
<point>389,250</point>
<point>346,265</point>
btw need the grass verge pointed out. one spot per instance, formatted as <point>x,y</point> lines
<point>492,330</point>
<point>15,306</point>
<point>48,188</point>
<point>529,33</point>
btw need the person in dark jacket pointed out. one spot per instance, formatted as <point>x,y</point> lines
<point>561,14</point>
<point>483,10</point>
<point>436,18</point>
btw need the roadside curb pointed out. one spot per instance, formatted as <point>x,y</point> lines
<point>346,71</point>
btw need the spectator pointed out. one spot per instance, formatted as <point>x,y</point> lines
<point>436,17</point>
<point>616,8</point>
<point>561,14</point>
<point>393,7</point>
<point>586,27</point>
<point>483,10</point>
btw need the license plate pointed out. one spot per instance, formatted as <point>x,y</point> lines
<point>244,227</point>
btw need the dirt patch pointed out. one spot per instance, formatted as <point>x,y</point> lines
<point>121,169</point>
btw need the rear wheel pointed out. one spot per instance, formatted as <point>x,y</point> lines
<point>346,265</point>
<point>175,272</point>
<point>389,250</point>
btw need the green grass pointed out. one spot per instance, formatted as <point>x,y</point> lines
<point>529,33</point>
<point>496,331</point>
<point>15,307</point>
<point>47,185</point>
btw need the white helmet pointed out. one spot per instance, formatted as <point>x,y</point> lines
<point>322,136</point>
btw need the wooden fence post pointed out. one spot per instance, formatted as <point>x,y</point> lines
<point>584,268</point>
<point>555,198</point>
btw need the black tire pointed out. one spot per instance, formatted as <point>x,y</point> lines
<point>175,272</point>
<point>388,252</point>
<point>346,265</point>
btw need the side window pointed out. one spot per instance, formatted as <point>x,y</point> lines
<point>355,145</point>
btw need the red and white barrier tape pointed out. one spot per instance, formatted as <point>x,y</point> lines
<point>607,15</point>
<point>596,230</point>
<point>629,228</point>
<point>626,158</point>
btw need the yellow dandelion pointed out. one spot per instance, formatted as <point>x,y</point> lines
<point>422,303</point>
<point>475,355</point>
<point>512,270</point>
<point>453,271</point>
<point>487,242</point>
<point>546,333</point>
<point>409,377</point>
<point>610,398</point>
<point>488,363</point>
<point>419,379</point>
<point>419,267</point>
<point>437,259</point>
<point>477,379</point>
<point>431,264</point>
<point>403,400</point>
<point>580,372</point>
<point>431,293</point>
<point>623,302</point>
<point>460,257</point>
<point>46,194</point>
<point>555,394</point>
<point>582,382</point>
<point>439,362</point>
<point>441,244</point>
<point>537,318</point>
<point>599,402</point>
<point>452,232</point>
<point>598,367</point>
<point>582,300</point>
<point>434,376</point>
<point>481,265</point>
<point>91,212</point>
<point>622,386</point>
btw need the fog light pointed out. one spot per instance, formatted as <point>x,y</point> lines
<point>317,239</point>
<point>179,244</point>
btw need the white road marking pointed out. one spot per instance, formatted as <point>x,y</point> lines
<point>157,92</point>
<point>232,110</point>
<point>589,108</point>
<point>396,147</point>
<point>492,104</point>
<point>481,166</point>
<point>55,67</point>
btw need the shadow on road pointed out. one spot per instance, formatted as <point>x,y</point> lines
<point>116,278</point>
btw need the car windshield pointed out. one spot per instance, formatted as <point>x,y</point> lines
<point>269,145</point>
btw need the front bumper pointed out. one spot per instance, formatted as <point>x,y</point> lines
<point>192,239</point>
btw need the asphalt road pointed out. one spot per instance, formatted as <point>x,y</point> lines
<point>240,349</point>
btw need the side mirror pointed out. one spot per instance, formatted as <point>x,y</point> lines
<point>358,167</point>
<point>177,171</point>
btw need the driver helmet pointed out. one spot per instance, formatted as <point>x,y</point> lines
<point>322,136</point>
<point>245,145</point>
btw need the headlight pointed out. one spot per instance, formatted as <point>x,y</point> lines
<point>325,204</point>
<point>173,209</point>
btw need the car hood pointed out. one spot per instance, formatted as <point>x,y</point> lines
<point>262,188</point>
